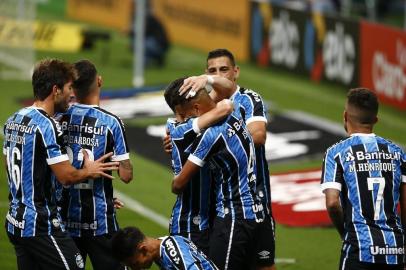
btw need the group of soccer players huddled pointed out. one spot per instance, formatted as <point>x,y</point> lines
<point>60,156</point>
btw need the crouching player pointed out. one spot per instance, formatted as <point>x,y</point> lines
<point>137,251</point>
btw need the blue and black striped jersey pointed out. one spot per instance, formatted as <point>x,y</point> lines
<point>191,209</point>
<point>87,208</point>
<point>368,170</point>
<point>253,109</point>
<point>32,143</point>
<point>179,253</point>
<point>229,150</point>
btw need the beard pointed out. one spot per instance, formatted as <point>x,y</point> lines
<point>61,107</point>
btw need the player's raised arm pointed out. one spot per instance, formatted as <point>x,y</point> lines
<point>68,175</point>
<point>223,87</point>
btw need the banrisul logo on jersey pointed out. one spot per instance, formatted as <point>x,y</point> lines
<point>373,161</point>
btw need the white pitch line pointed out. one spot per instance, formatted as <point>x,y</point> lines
<point>137,207</point>
<point>317,121</point>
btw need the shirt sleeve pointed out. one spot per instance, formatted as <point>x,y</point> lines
<point>203,147</point>
<point>332,171</point>
<point>52,139</point>
<point>121,150</point>
<point>255,109</point>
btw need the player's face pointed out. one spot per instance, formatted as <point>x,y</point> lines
<point>63,97</point>
<point>223,67</point>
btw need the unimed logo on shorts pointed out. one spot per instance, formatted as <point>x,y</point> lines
<point>297,199</point>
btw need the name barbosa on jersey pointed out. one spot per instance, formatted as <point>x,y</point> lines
<point>81,140</point>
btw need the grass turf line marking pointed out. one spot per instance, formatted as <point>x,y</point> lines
<point>139,208</point>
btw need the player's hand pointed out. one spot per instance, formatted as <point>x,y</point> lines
<point>167,144</point>
<point>97,169</point>
<point>117,203</point>
<point>194,84</point>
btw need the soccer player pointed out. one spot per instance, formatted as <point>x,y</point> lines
<point>228,149</point>
<point>33,157</point>
<point>364,181</point>
<point>134,249</point>
<point>221,62</point>
<point>88,208</point>
<point>190,214</point>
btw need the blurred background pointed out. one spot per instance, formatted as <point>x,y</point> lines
<point>301,56</point>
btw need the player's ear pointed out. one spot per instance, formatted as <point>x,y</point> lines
<point>142,249</point>
<point>99,81</point>
<point>196,108</point>
<point>236,72</point>
<point>55,90</point>
<point>345,116</point>
<point>376,120</point>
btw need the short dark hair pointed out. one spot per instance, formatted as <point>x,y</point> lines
<point>366,102</point>
<point>125,241</point>
<point>220,53</point>
<point>172,96</point>
<point>50,72</point>
<point>87,72</point>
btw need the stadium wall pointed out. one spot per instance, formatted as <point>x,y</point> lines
<point>352,53</point>
<point>206,25</point>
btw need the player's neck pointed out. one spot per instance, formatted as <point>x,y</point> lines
<point>90,100</point>
<point>47,105</point>
<point>362,130</point>
<point>156,246</point>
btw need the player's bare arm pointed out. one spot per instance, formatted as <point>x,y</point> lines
<point>125,171</point>
<point>222,109</point>
<point>68,175</point>
<point>223,87</point>
<point>180,181</point>
<point>257,130</point>
<point>335,210</point>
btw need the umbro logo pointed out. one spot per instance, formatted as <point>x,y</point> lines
<point>264,254</point>
<point>349,157</point>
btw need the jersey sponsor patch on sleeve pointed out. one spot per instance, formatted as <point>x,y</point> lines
<point>173,252</point>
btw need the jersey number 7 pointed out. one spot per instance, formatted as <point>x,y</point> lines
<point>380,181</point>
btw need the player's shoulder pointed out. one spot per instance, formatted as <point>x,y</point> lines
<point>176,127</point>
<point>108,116</point>
<point>394,146</point>
<point>250,94</point>
<point>340,145</point>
